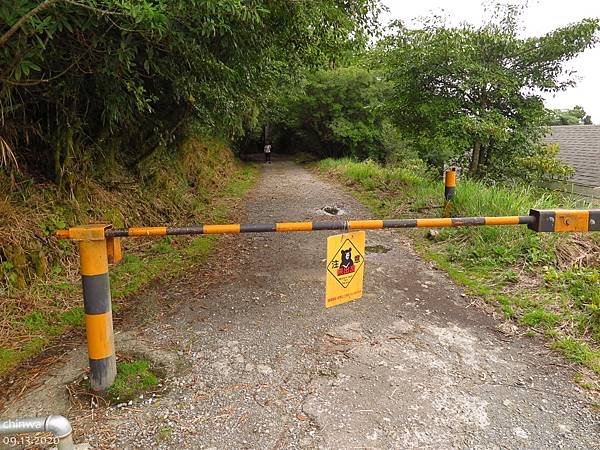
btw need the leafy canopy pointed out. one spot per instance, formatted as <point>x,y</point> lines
<point>573,116</point>
<point>85,81</point>
<point>477,89</point>
<point>335,112</point>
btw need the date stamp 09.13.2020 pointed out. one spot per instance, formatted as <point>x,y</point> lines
<point>29,439</point>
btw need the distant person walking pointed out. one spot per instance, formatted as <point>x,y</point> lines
<point>267,150</point>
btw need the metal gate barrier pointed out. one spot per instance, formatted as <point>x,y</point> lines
<point>99,246</point>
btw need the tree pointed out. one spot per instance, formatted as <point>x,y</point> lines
<point>477,88</point>
<point>574,116</point>
<point>336,112</point>
<point>87,81</point>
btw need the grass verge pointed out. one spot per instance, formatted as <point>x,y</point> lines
<point>547,283</point>
<point>203,187</point>
<point>134,378</point>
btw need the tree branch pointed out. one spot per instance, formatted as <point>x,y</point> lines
<point>102,12</point>
<point>19,23</point>
<point>45,5</point>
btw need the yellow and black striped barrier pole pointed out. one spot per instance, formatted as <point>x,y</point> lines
<point>551,220</point>
<point>449,190</point>
<point>99,245</point>
<point>94,258</point>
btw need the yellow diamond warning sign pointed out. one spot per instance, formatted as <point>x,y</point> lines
<point>345,268</point>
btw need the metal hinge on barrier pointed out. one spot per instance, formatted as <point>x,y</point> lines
<point>565,220</point>
<point>113,250</point>
<point>95,232</point>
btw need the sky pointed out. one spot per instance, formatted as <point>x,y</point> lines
<point>540,17</point>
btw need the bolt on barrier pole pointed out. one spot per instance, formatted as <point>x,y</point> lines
<point>59,426</point>
<point>449,190</point>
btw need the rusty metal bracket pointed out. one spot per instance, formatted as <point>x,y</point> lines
<point>113,250</point>
<point>565,220</point>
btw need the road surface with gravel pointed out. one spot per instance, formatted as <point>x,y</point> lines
<point>254,360</point>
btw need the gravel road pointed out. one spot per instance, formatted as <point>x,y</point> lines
<point>255,361</point>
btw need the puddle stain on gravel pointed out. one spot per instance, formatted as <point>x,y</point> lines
<point>331,211</point>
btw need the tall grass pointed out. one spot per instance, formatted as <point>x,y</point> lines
<point>496,247</point>
<point>420,194</point>
<point>524,272</point>
<point>200,183</point>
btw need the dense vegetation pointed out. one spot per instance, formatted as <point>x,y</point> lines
<point>335,112</point>
<point>466,94</point>
<point>107,91</point>
<point>573,116</point>
<point>476,88</point>
<point>87,82</point>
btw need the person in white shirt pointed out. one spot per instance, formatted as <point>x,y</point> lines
<point>267,150</point>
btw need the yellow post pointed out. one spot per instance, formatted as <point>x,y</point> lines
<point>93,256</point>
<point>449,189</point>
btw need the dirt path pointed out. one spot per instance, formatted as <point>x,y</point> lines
<point>257,362</point>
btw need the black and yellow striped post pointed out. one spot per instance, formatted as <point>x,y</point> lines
<point>94,257</point>
<point>449,190</point>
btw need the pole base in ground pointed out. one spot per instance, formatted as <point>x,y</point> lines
<point>102,373</point>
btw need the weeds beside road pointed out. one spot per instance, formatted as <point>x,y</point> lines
<point>547,283</point>
<point>40,302</point>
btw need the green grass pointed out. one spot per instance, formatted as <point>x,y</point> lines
<point>162,261</point>
<point>7,358</point>
<point>41,329</point>
<point>72,317</point>
<point>539,317</point>
<point>164,434</point>
<point>133,379</point>
<point>512,267</point>
<point>578,352</point>
<point>166,258</point>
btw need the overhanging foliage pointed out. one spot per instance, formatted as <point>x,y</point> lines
<point>477,89</point>
<point>93,80</point>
